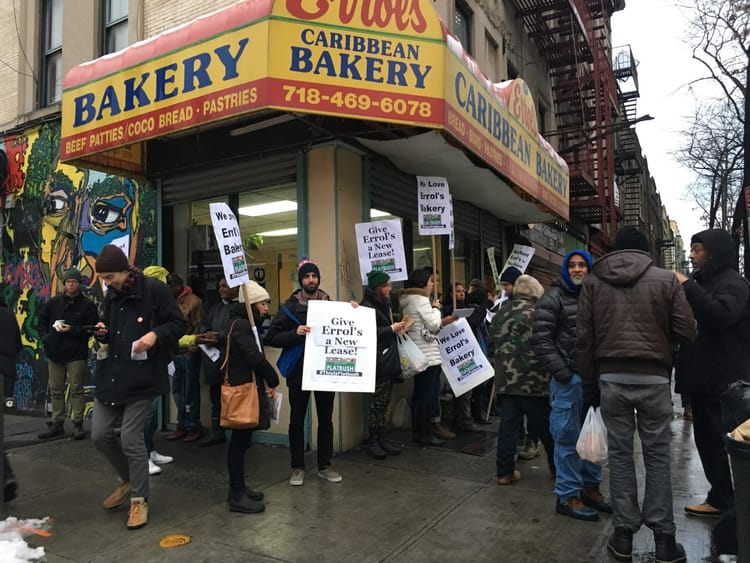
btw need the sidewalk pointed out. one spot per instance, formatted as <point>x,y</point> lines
<point>427,505</point>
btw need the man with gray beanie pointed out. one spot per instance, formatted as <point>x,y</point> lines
<point>629,315</point>
<point>65,325</point>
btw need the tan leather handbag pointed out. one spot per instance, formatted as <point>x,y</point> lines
<point>240,407</point>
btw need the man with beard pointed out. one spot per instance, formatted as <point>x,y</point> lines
<point>287,330</point>
<point>719,356</point>
<point>65,326</point>
<point>554,341</point>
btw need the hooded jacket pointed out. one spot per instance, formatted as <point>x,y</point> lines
<point>79,312</point>
<point>385,334</point>
<point>719,296</point>
<point>415,302</point>
<point>554,334</point>
<point>518,369</point>
<point>630,313</point>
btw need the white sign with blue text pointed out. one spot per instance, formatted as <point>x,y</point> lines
<point>434,206</point>
<point>464,364</point>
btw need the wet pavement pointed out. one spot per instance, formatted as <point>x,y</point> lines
<point>428,504</point>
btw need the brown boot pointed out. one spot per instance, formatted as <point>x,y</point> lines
<point>138,516</point>
<point>118,496</point>
<point>442,432</point>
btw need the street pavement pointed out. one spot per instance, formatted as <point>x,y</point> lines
<point>428,504</point>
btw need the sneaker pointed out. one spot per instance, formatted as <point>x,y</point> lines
<point>509,479</point>
<point>297,478</point>
<point>574,508</point>
<point>138,515</point>
<point>530,450</point>
<point>118,496</point>
<point>442,432</point>
<point>329,474</point>
<point>153,469</point>
<point>160,459</point>
<point>704,510</point>
<point>595,499</point>
<point>54,429</point>
<point>178,434</point>
<point>245,504</point>
<point>193,435</point>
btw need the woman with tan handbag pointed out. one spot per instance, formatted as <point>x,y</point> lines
<point>245,361</point>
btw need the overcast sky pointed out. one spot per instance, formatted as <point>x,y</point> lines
<point>656,31</point>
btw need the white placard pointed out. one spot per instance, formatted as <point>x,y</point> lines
<point>340,349</point>
<point>452,236</point>
<point>229,241</point>
<point>493,264</point>
<point>380,245</point>
<point>464,364</point>
<point>433,202</point>
<point>520,257</point>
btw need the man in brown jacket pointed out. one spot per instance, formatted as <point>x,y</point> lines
<point>629,315</point>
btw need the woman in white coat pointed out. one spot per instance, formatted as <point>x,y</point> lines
<point>428,320</point>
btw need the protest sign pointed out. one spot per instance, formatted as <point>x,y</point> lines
<point>464,364</point>
<point>493,264</point>
<point>433,201</point>
<point>380,245</point>
<point>229,242</point>
<point>520,257</point>
<point>340,349</point>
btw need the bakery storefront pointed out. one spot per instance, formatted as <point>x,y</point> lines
<point>305,123</point>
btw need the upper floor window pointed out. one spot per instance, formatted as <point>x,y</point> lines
<point>462,27</point>
<point>51,88</point>
<point>115,25</point>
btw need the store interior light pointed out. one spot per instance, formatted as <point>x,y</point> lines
<point>378,213</point>
<point>262,209</point>
<point>280,232</point>
<point>257,126</point>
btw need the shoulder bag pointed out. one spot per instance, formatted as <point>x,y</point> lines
<point>240,407</point>
<point>290,355</point>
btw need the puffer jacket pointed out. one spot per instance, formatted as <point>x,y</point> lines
<point>80,313</point>
<point>427,322</point>
<point>386,336</point>
<point>719,297</point>
<point>518,369</point>
<point>554,334</point>
<point>630,313</point>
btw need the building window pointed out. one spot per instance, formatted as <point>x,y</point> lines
<point>51,90</point>
<point>543,111</point>
<point>115,25</point>
<point>462,26</point>
<point>491,56</point>
<point>512,71</point>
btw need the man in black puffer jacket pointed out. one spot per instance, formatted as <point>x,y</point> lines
<point>554,342</point>
<point>719,356</point>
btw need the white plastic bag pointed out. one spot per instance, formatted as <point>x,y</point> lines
<point>592,443</point>
<point>413,361</point>
<point>401,414</point>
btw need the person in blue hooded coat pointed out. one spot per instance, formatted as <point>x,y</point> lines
<point>554,342</point>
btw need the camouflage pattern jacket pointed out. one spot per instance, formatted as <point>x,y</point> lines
<point>517,368</point>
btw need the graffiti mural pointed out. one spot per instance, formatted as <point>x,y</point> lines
<point>60,217</point>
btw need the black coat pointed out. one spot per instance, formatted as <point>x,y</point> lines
<point>720,299</point>
<point>246,358</point>
<point>385,334</point>
<point>216,320</point>
<point>554,334</point>
<point>282,333</point>
<point>10,342</point>
<point>79,312</point>
<point>148,305</point>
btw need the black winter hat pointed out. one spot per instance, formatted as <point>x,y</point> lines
<point>111,259</point>
<point>510,275</point>
<point>630,238</point>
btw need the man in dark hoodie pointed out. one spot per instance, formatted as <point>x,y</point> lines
<point>718,357</point>
<point>629,314</point>
<point>554,342</point>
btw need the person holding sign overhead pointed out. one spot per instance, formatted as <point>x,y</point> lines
<point>287,330</point>
<point>428,320</point>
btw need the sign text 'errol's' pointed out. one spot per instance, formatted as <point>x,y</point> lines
<point>380,246</point>
<point>434,205</point>
<point>229,241</point>
<point>464,363</point>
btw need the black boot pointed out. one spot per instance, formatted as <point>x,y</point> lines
<point>253,495</point>
<point>54,429</point>
<point>621,544</point>
<point>424,425</point>
<point>668,550</point>
<point>78,432</point>
<point>243,503</point>
<point>373,447</point>
<point>387,446</point>
<point>217,435</point>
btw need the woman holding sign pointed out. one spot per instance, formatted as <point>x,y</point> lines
<point>428,320</point>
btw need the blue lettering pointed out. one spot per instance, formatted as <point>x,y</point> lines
<point>196,68</point>
<point>132,91</point>
<point>397,71</point>
<point>374,66</point>
<point>229,61</point>
<point>85,111</point>
<point>325,62</point>
<point>348,66</point>
<point>165,75</point>
<point>459,86</point>
<point>301,59</point>
<point>110,102</point>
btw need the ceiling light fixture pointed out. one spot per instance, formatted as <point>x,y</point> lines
<point>378,213</point>
<point>280,232</point>
<point>257,126</point>
<point>262,209</point>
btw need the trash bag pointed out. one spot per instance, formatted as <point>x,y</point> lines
<point>401,414</point>
<point>592,442</point>
<point>735,405</point>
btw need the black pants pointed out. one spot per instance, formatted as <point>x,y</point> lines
<point>709,440</point>
<point>298,400</point>
<point>238,444</point>
<point>214,393</point>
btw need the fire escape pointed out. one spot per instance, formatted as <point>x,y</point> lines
<point>572,36</point>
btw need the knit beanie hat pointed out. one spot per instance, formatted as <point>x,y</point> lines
<point>255,293</point>
<point>376,278</point>
<point>157,272</point>
<point>111,259</point>
<point>72,274</point>
<point>305,266</point>
<point>510,275</point>
<point>630,238</point>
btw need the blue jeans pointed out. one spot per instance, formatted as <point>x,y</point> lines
<point>186,389</point>
<point>566,417</point>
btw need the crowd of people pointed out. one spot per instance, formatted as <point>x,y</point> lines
<point>603,335</point>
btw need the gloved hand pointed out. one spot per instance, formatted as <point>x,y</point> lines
<point>591,396</point>
<point>563,376</point>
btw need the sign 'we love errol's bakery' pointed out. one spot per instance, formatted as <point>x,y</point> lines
<point>376,60</point>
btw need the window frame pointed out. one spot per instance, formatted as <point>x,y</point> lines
<point>50,55</point>
<point>110,25</point>
<point>463,9</point>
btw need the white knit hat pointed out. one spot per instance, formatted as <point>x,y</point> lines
<point>255,293</point>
